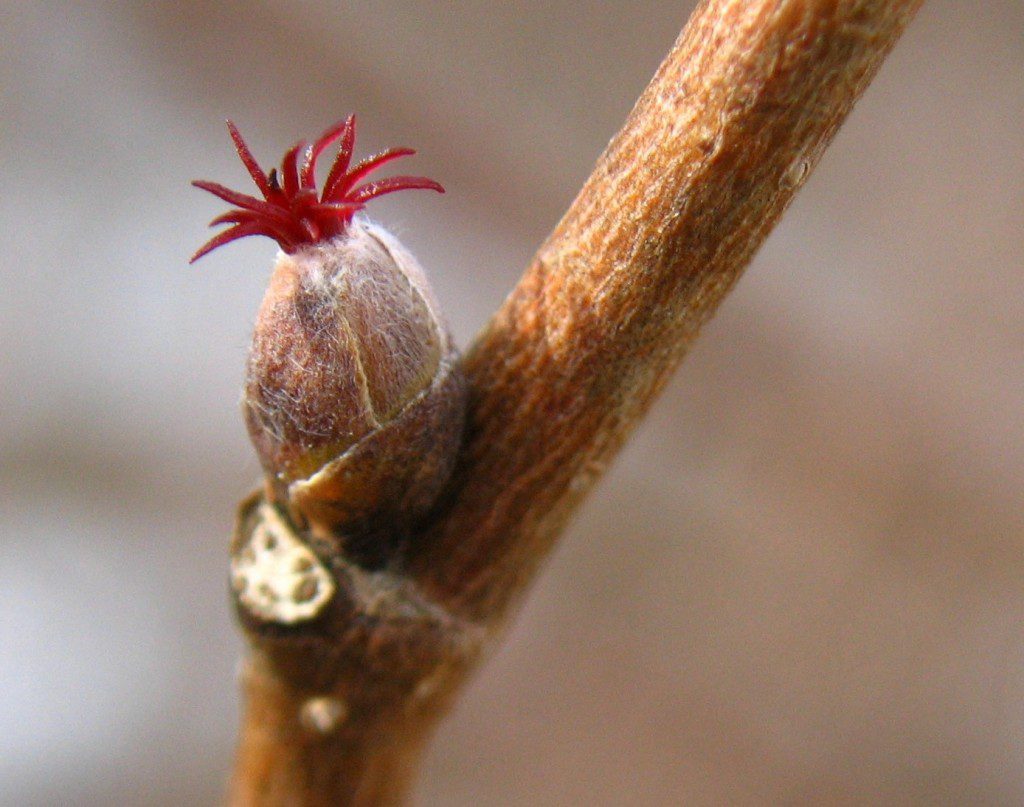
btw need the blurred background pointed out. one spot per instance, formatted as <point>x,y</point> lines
<point>803,581</point>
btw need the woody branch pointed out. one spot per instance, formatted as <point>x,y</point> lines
<point>732,124</point>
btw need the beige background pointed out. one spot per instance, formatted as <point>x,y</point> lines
<point>803,581</point>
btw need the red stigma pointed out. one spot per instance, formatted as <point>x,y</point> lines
<point>290,211</point>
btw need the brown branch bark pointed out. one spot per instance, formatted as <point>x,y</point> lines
<point>731,125</point>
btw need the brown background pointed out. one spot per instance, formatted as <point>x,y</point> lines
<point>802,582</point>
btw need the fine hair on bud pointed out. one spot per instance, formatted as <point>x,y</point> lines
<point>352,398</point>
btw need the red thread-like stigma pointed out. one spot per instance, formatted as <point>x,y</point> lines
<point>291,212</point>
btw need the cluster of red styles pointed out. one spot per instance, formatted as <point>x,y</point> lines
<point>292,212</point>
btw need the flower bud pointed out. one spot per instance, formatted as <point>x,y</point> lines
<point>352,399</point>
<point>352,394</point>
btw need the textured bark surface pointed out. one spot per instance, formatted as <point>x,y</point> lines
<point>730,127</point>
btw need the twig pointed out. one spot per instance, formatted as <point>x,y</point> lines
<point>730,127</point>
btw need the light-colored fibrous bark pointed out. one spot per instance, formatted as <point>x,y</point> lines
<point>730,127</point>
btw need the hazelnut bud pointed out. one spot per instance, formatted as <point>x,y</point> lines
<point>352,397</point>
